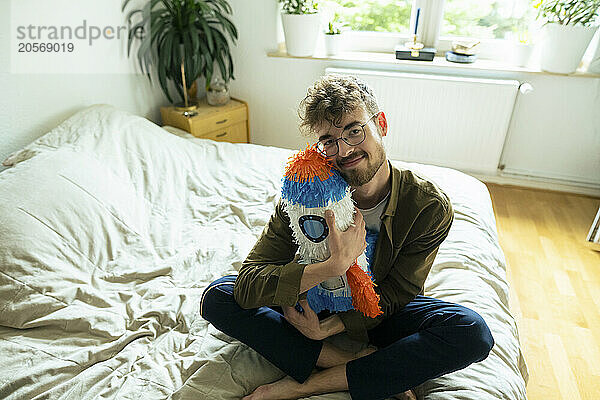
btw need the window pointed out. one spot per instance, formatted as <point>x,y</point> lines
<point>371,15</point>
<point>379,25</point>
<point>487,19</point>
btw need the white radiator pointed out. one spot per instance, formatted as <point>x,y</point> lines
<point>448,121</point>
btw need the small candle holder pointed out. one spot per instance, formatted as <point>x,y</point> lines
<point>415,50</point>
<point>414,46</point>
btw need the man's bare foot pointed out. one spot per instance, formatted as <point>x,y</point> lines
<point>330,380</point>
<point>408,395</point>
<point>286,388</point>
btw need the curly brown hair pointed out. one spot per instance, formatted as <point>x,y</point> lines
<point>331,97</point>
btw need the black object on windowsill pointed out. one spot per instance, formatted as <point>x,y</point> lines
<point>423,54</point>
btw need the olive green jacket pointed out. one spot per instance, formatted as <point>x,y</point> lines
<point>415,222</point>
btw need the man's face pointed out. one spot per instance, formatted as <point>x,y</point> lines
<point>357,164</point>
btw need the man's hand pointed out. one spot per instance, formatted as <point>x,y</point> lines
<point>306,322</point>
<point>345,247</point>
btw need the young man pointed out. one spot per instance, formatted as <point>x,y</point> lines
<point>417,338</point>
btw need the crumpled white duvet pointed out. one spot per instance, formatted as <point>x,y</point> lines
<point>110,229</point>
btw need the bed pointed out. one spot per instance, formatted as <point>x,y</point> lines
<point>110,229</point>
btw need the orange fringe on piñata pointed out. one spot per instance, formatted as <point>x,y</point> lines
<point>307,164</point>
<point>364,297</point>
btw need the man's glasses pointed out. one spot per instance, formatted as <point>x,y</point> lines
<point>352,136</point>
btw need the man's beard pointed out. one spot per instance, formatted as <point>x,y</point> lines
<point>358,177</point>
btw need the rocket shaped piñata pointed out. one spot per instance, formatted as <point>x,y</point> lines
<point>310,187</point>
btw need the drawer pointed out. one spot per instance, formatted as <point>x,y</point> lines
<point>206,124</point>
<point>234,134</point>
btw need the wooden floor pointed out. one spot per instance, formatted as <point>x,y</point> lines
<point>555,288</point>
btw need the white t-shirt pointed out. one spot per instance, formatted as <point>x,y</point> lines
<point>372,216</point>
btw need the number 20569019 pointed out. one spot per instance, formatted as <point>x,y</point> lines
<point>45,47</point>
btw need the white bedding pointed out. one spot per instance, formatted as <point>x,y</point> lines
<point>111,227</point>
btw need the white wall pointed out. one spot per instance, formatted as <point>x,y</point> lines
<point>33,104</point>
<point>556,130</point>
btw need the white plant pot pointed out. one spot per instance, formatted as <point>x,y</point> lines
<point>563,47</point>
<point>594,66</point>
<point>301,33</point>
<point>333,44</point>
<point>521,54</point>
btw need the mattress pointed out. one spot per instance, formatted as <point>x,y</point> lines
<point>110,229</point>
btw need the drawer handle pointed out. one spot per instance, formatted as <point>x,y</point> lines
<point>222,134</point>
<point>222,122</point>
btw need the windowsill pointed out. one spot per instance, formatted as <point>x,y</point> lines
<point>438,62</point>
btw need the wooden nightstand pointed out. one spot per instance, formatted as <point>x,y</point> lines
<point>228,123</point>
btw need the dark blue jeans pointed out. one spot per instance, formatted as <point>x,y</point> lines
<point>428,338</point>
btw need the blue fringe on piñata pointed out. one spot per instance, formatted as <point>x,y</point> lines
<point>314,192</point>
<point>371,239</point>
<point>320,299</point>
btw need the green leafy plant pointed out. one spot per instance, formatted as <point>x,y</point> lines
<point>523,37</point>
<point>299,6</point>
<point>192,32</point>
<point>333,29</point>
<point>568,12</point>
<point>520,33</point>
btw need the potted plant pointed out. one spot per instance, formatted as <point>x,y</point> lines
<point>301,21</point>
<point>567,33</point>
<point>522,50</point>
<point>333,36</point>
<point>183,40</point>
